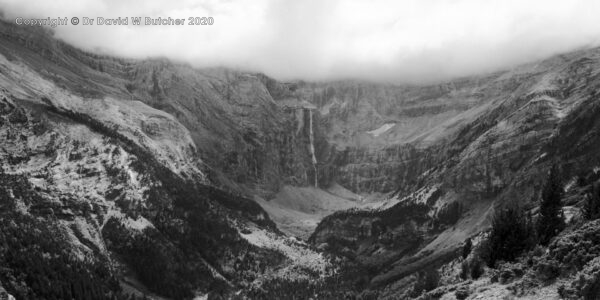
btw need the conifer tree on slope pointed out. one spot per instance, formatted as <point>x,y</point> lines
<point>551,220</point>
<point>591,207</point>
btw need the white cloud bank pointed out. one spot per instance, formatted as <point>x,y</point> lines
<point>398,41</point>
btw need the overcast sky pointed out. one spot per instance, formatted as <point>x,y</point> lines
<point>397,41</point>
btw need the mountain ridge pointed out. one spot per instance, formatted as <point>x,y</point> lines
<point>128,155</point>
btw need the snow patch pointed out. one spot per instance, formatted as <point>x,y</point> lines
<point>419,197</point>
<point>422,195</point>
<point>381,130</point>
<point>540,157</point>
<point>570,184</point>
<point>383,205</point>
<point>138,224</point>
<point>326,108</point>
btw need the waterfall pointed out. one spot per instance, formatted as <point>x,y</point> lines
<point>312,145</point>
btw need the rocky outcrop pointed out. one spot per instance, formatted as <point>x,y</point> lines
<point>102,190</point>
<point>240,135</point>
<point>390,169</point>
<point>98,194</point>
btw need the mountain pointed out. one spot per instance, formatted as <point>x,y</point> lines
<point>494,153</point>
<point>161,180</point>
<point>109,196</point>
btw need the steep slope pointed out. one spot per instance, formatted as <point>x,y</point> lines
<point>147,168</point>
<point>254,132</point>
<point>107,196</point>
<point>567,268</point>
<point>113,188</point>
<point>241,134</point>
<point>254,135</point>
<point>535,115</point>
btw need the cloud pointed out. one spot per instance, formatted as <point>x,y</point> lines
<point>397,41</point>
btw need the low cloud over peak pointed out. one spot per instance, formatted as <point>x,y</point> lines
<point>397,41</point>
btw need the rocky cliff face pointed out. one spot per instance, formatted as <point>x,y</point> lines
<point>117,155</point>
<point>241,135</point>
<point>110,196</point>
<point>251,131</point>
<point>532,116</point>
<point>98,193</point>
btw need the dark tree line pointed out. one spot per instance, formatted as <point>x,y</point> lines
<point>36,258</point>
<point>591,208</point>
<point>551,219</point>
<point>514,231</point>
<point>350,283</point>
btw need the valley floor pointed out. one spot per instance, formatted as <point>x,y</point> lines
<point>298,210</point>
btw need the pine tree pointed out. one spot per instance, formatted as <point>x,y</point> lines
<point>512,232</point>
<point>551,220</point>
<point>591,207</point>
<point>466,250</point>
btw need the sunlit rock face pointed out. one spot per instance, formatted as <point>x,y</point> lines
<point>99,184</point>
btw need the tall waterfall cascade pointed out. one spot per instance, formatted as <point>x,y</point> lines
<point>312,145</point>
